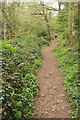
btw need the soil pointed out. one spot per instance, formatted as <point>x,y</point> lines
<point>52,101</point>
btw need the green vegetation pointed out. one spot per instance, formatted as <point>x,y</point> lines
<point>68,60</point>
<point>21,58</point>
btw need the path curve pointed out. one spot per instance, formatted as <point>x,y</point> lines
<point>52,102</point>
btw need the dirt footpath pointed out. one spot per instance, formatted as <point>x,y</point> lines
<point>52,102</point>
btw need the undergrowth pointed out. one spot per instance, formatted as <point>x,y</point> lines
<point>21,58</point>
<point>68,60</point>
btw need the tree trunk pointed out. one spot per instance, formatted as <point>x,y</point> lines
<point>70,21</point>
<point>59,6</point>
<point>47,23</point>
<point>4,20</point>
<point>5,30</point>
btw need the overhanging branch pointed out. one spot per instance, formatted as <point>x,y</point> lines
<point>48,7</point>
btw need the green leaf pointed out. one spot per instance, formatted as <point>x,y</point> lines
<point>18,114</point>
<point>19,104</point>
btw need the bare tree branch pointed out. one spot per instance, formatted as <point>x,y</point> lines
<point>48,7</point>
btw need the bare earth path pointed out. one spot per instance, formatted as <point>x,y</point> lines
<point>51,102</point>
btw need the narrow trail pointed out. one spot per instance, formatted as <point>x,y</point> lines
<point>52,102</point>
